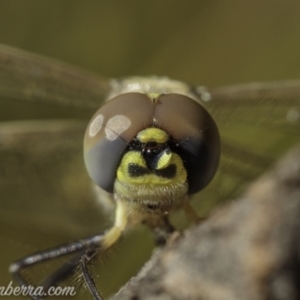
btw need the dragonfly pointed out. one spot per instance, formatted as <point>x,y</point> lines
<point>45,186</point>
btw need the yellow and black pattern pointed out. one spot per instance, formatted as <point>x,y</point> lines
<point>151,172</point>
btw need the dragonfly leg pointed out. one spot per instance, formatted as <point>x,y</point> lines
<point>87,276</point>
<point>109,239</point>
<point>87,249</point>
<point>19,266</point>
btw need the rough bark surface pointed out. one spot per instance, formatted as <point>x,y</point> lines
<point>247,249</point>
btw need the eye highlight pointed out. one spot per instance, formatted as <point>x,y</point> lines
<point>96,125</point>
<point>115,126</point>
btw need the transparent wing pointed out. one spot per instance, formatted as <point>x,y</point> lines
<point>28,77</point>
<point>257,123</point>
<point>273,105</point>
<point>43,181</point>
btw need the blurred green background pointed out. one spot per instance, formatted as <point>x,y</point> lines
<point>201,42</point>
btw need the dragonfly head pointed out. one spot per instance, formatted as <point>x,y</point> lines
<point>152,148</point>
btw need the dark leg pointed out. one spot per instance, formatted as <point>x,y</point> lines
<point>86,248</point>
<point>85,259</point>
<point>19,266</point>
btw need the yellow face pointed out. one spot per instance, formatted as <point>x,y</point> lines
<point>151,176</point>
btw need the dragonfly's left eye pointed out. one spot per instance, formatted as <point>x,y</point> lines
<point>124,122</point>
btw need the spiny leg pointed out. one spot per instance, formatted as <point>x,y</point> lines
<point>110,238</point>
<point>89,247</point>
<point>62,272</point>
<point>19,266</point>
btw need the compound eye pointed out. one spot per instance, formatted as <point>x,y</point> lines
<point>110,130</point>
<point>196,134</point>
